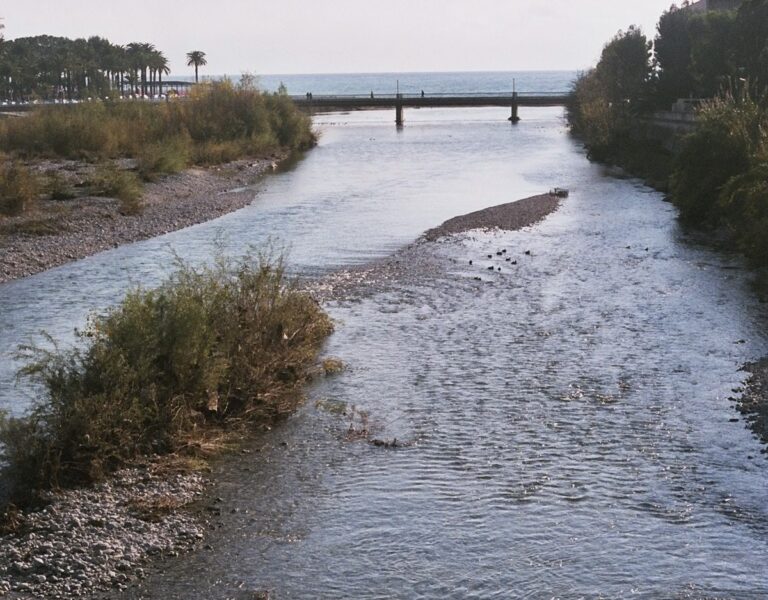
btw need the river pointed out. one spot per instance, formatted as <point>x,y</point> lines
<point>564,423</point>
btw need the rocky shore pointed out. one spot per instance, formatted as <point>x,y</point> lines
<point>61,231</point>
<point>753,403</point>
<point>86,541</point>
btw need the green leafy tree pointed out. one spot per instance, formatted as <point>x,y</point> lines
<point>607,98</point>
<point>751,40</point>
<point>672,51</point>
<point>712,52</point>
<point>159,67</point>
<point>625,68</point>
<point>50,67</point>
<point>197,59</point>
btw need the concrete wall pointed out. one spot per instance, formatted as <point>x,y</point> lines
<point>665,127</point>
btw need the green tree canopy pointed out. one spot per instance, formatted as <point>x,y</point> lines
<point>49,67</point>
<point>625,68</point>
<point>673,56</point>
<point>750,38</point>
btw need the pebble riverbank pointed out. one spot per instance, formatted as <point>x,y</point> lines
<point>62,231</point>
<point>98,539</point>
<point>753,402</point>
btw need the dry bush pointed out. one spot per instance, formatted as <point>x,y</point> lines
<point>18,189</point>
<point>210,350</point>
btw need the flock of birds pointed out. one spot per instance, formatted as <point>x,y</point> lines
<point>499,254</point>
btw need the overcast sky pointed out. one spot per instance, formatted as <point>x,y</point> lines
<point>347,36</point>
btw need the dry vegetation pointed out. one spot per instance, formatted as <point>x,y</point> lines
<point>177,369</point>
<point>219,123</point>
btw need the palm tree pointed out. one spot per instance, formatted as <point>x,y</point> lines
<point>163,68</point>
<point>133,53</point>
<point>196,58</point>
<point>158,66</point>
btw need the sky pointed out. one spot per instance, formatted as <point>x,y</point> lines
<point>347,36</point>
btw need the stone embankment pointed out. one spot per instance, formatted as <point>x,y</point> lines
<point>59,232</point>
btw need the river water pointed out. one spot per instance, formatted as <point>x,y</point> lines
<point>565,424</point>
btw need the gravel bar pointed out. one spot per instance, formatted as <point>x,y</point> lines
<point>510,216</point>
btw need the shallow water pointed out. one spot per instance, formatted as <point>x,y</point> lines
<point>365,191</point>
<point>567,424</point>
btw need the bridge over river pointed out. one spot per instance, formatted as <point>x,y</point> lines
<point>399,102</point>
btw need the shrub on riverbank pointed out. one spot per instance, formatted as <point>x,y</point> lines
<point>721,175</point>
<point>163,158</point>
<point>111,182</point>
<point>240,117</point>
<point>207,352</point>
<point>726,138</point>
<point>18,189</point>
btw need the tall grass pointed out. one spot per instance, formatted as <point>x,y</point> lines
<point>165,134</point>
<point>210,350</point>
<point>219,123</point>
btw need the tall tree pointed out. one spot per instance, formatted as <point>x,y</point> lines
<point>607,98</point>
<point>672,49</point>
<point>712,52</point>
<point>751,40</point>
<point>140,56</point>
<point>625,66</point>
<point>196,58</point>
<point>158,66</point>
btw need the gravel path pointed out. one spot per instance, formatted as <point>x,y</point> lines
<point>69,230</point>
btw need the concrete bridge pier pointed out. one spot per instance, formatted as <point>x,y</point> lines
<point>399,111</point>
<point>514,117</point>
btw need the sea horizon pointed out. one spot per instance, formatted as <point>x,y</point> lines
<point>546,81</point>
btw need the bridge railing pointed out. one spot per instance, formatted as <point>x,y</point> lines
<point>432,95</point>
